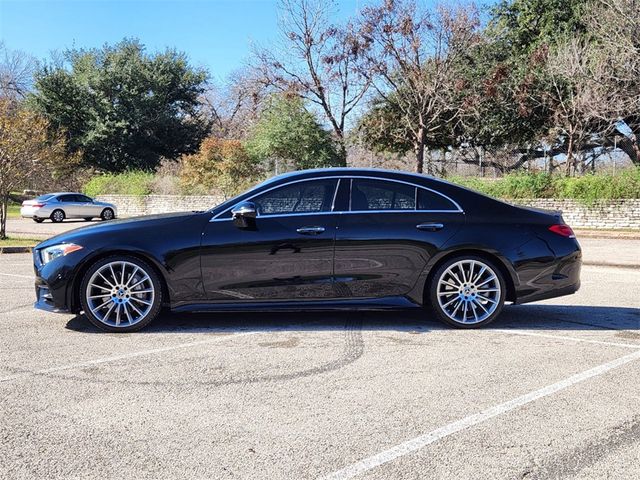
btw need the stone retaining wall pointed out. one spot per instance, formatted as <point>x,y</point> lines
<point>605,214</point>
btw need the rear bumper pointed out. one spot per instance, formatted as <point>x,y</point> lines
<point>556,279</point>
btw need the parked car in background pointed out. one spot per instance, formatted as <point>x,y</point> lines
<point>60,206</point>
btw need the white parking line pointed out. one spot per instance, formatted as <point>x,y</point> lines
<point>564,337</point>
<point>421,441</point>
<point>18,276</point>
<point>116,358</point>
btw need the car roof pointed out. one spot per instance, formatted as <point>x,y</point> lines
<point>337,171</point>
<point>65,193</point>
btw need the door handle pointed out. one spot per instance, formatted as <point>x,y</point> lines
<point>310,230</point>
<point>430,227</point>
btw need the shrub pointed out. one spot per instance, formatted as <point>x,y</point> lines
<point>128,183</point>
<point>221,166</point>
<point>588,188</point>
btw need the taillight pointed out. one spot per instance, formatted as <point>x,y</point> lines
<point>562,230</point>
<point>38,205</point>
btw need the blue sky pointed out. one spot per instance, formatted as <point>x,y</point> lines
<point>215,34</point>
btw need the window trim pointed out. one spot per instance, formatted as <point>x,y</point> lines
<point>216,218</point>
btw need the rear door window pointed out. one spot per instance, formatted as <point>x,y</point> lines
<point>369,194</point>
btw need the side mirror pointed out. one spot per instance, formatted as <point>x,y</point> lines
<point>244,214</point>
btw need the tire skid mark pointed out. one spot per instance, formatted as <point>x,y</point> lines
<point>353,349</point>
<point>573,461</point>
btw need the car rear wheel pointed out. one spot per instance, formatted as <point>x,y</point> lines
<point>467,292</point>
<point>38,220</point>
<point>57,216</point>
<point>107,214</point>
<point>121,294</point>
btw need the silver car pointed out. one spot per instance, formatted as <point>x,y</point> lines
<point>58,206</point>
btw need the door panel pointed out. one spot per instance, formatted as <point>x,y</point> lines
<point>286,257</point>
<point>391,231</point>
<point>382,254</point>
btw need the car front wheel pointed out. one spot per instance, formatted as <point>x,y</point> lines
<point>467,292</point>
<point>121,294</point>
<point>107,214</point>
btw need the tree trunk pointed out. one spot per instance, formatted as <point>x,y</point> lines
<point>4,201</point>
<point>570,156</point>
<point>342,152</point>
<point>418,147</point>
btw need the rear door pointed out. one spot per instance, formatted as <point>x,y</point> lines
<point>387,236</point>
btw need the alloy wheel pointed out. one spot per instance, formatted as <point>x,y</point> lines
<point>469,292</point>
<point>107,214</point>
<point>57,216</point>
<point>120,294</point>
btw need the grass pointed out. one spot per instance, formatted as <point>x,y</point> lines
<point>127,183</point>
<point>19,242</point>
<point>13,211</point>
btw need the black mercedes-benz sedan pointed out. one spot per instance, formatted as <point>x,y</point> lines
<point>318,239</point>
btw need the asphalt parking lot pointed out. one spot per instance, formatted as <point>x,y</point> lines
<point>550,390</point>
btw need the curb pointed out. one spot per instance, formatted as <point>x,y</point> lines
<point>15,250</point>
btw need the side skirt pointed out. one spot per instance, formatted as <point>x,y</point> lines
<point>386,303</point>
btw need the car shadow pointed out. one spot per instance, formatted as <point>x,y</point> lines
<point>529,317</point>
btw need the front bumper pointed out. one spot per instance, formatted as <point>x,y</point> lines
<point>52,284</point>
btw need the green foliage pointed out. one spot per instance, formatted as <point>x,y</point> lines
<point>588,188</point>
<point>287,131</point>
<point>126,183</point>
<point>123,108</point>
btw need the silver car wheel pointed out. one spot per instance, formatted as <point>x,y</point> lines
<point>120,294</point>
<point>469,292</point>
<point>107,214</point>
<point>58,216</point>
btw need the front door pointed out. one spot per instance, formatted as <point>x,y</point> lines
<point>287,254</point>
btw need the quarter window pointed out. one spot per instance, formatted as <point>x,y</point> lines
<point>302,197</point>
<point>381,195</point>
<point>428,200</point>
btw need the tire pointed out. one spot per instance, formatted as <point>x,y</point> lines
<point>38,220</point>
<point>88,219</point>
<point>107,214</point>
<point>57,216</point>
<point>467,292</point>
<point>111,304</point>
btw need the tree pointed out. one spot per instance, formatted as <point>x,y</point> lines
<point>219,166</point>
<point>235,105</point>
<point>28,151</point>
<point>615,50</point>
<point>511,100</point>
<point>123,108</point>
<point>288,132</point>
<point>315,62</point>
<point>409,56</point>
<point>16,73</point>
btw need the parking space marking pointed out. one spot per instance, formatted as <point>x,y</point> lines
<point>18,276</point>
<point>564,337</point>
<point>422,441</point>
<point>116,358</point>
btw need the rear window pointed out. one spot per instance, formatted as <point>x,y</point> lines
<point>44,198</point>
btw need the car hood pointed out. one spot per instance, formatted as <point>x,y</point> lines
<point>105,228</point>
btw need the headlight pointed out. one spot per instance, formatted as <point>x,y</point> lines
<point>54,251</point>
